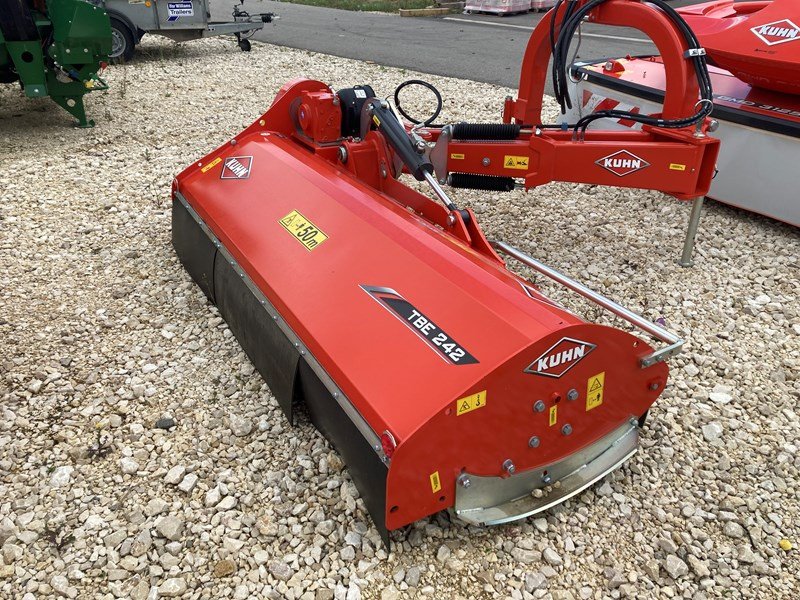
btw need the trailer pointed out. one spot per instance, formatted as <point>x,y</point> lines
<point>180,21</point>
<point>498,7</point>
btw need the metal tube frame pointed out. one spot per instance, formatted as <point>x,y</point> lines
<point>675,342</point>
<point>691,232</point>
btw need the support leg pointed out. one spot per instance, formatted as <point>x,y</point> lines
<point>691,231</point>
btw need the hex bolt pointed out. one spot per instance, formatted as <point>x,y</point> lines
<point>508,466</point>
<point>566,429</point>
<point>546,479</point>
<point>538,406</point>
<point>572,394</point>
<point>533,442</point>
<point>486,161</point>
<point>464,481</point>
<point>654,386</point>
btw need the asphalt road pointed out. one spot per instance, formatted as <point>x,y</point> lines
<point>479,47</point>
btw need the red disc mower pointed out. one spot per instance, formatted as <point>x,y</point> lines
<point>444,379</point>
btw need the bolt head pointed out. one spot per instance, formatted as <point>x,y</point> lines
<point>566,429</point>
<point>572,394</point>
<point>464,481</point>
<point>534,442</point>
<point>538,406</point>
<point>508,466</point>
<point>486,162</point>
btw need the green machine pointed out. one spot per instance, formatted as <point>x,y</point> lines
<point>55,48</point>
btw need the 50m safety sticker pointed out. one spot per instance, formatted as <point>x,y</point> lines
<point>433,335</point>
<point>303,230</point>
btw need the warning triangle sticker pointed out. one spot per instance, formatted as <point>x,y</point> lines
<point>596,385</point>
<point>465,406</point>
<point>510,162</point>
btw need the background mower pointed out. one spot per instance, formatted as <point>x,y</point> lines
<point>54,48</point>
<point>444,379</point>
<point>754,48</point>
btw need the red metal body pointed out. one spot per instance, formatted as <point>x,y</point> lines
<point>555,156</point>
<point>447,362</point>
<point>758,42</point>
<point>393,378</point>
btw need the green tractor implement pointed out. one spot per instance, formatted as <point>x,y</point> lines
<point>55,48</point>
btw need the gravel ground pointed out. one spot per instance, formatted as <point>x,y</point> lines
<point>141,457</point>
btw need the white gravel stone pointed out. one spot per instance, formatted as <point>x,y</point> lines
<point>712,431</point>
<point>62,476</point>
<point>675,567</point>
<point>128,466</point>
<point>187,483</point>
<point>172,588</point>
<point>175,475</point>
<point>171,527</point>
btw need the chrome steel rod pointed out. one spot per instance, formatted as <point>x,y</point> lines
<point>653,329</point>
<point>691,232</point>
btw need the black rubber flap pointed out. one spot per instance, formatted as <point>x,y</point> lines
<point>194,248</point>
<point>364,465</point>
<point>259,335</point>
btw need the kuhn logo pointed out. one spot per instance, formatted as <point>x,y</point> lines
<point>560,357</point>
<point>236,167</point>
<point>622,163</point>
<point>778,32</point>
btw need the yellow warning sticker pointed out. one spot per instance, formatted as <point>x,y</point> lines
<point>436,483</point>
<point>515,162</point>
<point>677,167</point>
<point>457,156</point>
<point>469,403</point>
<point>303,230</point>
<point>553,415</point>
<point>211,165</point>
<point>376,120</point>
<point>594,390</point>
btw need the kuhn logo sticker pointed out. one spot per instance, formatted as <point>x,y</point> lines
<point>622,163</point>
<point>777,32</point>
<point>430,333</point>
<point>236,167</point>
<point>560,357</point>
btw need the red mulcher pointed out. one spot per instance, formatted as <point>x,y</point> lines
<point>442,378</point>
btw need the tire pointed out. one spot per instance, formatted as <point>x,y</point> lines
<point>244,45</point>
<point>122,42</point>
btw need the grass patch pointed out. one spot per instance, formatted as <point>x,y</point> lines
<point>391,6</point>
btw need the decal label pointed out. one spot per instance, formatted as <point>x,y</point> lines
<point>176,10</point>
<point>594,390</point>
<point>436,483</point>
<point>457,156</point>
<point>553,415</point>
<point>211,165</point>
<point>777,32</point>
<point>622,163</point>
<point>515,162</point>
<point>470,403</point>
<point>236,167</point>
<point>676,167</point>
<point>303,230</point>
<point>560,357</point>
<point>435,338</point>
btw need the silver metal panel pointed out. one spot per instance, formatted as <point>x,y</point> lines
<point>496,500</point>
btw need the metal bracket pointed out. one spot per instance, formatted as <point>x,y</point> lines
<point>675,342</point>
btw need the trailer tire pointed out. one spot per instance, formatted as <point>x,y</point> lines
<point>122,42</point>
<point>244,45</point>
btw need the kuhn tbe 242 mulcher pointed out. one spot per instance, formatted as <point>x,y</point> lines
<point>443,379</point>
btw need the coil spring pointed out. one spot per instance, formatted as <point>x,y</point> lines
<point>486,131</point>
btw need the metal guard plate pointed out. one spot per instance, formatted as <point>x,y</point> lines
<point>496,500</point>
